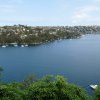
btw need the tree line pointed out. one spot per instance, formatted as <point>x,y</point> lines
<point>36,35</point>
<point>46,88</point>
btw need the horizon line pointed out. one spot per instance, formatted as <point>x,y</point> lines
<point>46,25</point>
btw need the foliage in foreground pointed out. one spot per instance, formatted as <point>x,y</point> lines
<point>97,93</point>
<point>47,88</point>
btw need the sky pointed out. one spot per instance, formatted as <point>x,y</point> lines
<point>50,12</point>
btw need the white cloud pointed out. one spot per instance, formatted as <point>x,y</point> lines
<point>7,8</point>
<point>10,6</point>
<point>96,0</point>
<point>27,19</point>
<point>85,13</point>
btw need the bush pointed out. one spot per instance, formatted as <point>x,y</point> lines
<point>97,93</point>
<point>57,89</point>
<point>7,92</point>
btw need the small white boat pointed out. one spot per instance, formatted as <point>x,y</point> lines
<point>93,86</point>
<point>83,35</point>
<point>26,45</point>
<point>4,46</point>
<point>22,45</point>
<point>15,45</point>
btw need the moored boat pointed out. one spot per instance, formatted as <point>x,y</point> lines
<point>93,86</point>
<point>22,45</point>
<point>3,46</point>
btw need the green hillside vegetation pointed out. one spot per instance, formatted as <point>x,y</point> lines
<point>46,88</point>
<point>21,34</point>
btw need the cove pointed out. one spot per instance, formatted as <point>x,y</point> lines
<point>76,59</point>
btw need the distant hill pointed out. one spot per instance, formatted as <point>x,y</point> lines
<point>21,34</point>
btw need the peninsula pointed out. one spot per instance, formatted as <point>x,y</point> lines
<point>28,35</point>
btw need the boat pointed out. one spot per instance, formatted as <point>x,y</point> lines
<point>93,86</point>
<point>83,35</point>
<point>15,45</point>
<point>3,46</point>
<point>26,45</point>
<point>22,45</point>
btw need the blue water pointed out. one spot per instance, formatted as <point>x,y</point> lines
<point>76,59</point>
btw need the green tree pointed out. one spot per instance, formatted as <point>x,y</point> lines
<point>41,90</point>
<point>55,88</point>
<point>28,81</point>
<point>97,93</point>
<point>66,91</point>
<point>8,92</point>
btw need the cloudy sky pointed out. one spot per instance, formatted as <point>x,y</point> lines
<point>50,12</point>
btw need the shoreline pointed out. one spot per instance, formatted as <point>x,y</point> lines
<point>20,35</point>
<point>33,44</point>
